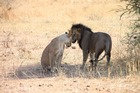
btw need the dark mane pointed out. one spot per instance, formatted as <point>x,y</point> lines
<point>81,26</point>
<point>84,30</point>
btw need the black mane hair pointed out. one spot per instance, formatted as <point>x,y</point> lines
<point>83,30</point>
<point>81,26</point>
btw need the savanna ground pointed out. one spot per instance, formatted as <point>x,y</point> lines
<point>27,26</point>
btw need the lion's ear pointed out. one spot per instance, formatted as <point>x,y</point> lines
<point>70,32</point>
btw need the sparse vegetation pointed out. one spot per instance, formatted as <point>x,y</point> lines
<point>29,27</point>
<point>132,38</point>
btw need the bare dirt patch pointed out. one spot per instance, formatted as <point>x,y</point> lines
<point>26,28</point>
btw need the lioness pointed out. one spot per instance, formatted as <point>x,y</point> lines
<point>53,53</point>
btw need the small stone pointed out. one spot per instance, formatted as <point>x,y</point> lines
<point>49,85</point>
<point>108,90</point>
<point>74,81</point>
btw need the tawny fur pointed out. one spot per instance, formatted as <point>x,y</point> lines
<point>53,53</point>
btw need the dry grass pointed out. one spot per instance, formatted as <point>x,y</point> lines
<point>29,25</point>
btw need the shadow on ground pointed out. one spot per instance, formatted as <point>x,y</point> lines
<point>70,71</point>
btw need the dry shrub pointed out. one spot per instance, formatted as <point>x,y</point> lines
<point>132,40</point>
<point>7,40</point>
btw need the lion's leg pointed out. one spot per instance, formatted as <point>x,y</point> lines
<point>85,56</point>
<point>91,61</point>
